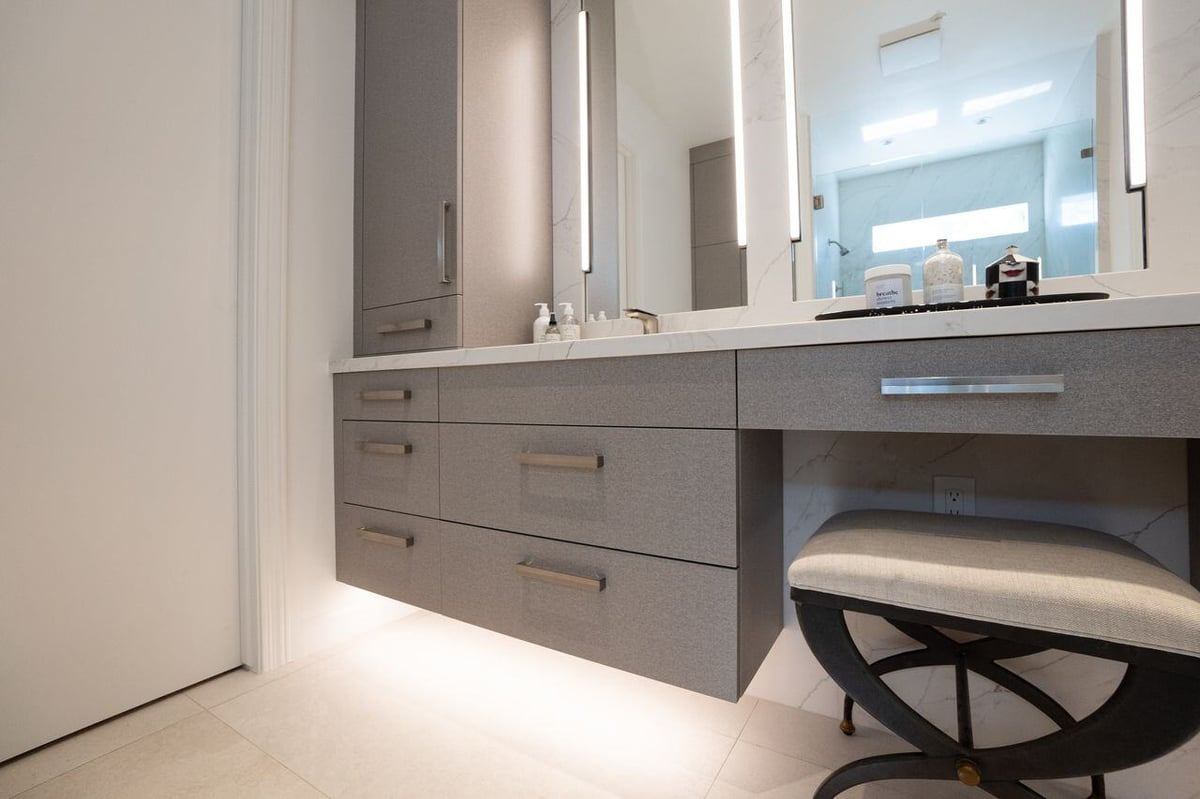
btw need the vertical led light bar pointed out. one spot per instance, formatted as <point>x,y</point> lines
<point>585,150</point>
<point>793,144</point>
<point>739,148</point>
<point>1135,95</point>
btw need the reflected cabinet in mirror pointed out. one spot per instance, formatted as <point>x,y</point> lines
<point>662,222</point>
<point>989,124</point>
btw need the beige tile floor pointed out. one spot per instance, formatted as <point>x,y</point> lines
<point>428,707</point>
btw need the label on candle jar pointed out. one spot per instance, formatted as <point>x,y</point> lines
<point>886,293</point>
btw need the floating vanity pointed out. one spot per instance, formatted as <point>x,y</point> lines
<point>621,499</point>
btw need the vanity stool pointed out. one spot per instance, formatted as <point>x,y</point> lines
<point>1018,588</point>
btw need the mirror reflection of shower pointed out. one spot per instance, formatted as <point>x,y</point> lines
<point>842,251</point>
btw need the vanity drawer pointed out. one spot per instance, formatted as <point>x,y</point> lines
<point>662,492</point>
<point>413,326</point>
<point>390,465</point>
<point>688,390</point>
<point>397,396</point>
<point>391,554</point>
<point>668,620</point>
<point>1116,383</point>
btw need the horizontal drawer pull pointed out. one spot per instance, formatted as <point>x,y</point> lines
<point>402,541</point>
<point>583,462</point>
<point>531,572</point>
<point>410,326</point>
<point>996,384</point>
<point>380,448</point>
<point>385,396</point>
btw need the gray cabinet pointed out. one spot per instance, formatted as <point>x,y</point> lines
<point>451,103</point>
<point>718,270</point>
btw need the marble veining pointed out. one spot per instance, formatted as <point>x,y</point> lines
<point>1132,312</point>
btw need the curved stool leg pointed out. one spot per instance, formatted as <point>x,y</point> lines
<point>899,662</point>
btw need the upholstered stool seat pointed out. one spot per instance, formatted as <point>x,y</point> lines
<point>1024,587</point>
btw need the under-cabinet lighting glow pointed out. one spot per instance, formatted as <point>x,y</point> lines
<point>1135,96</point>
<point>739,147</point>
<point>793,143</point>
<point>894,127</point>
<point>985,223</point>
<point>1078,209</point>
<point>993,101</point>
<point>585,151</point>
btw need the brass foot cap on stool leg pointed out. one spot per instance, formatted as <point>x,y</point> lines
<point>847,727</point>
<point>968,773</point>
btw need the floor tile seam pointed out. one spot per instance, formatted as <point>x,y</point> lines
<point>199,709</point>
<point>267,754</point>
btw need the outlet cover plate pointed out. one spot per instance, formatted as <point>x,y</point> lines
<point>954,496</point>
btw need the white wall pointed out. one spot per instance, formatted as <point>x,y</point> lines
<point>321,611</point>
<point>118,234</point>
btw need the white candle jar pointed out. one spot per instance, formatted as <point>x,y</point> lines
<point>889,286</point>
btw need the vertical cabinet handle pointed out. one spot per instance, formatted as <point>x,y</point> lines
<point>441,242</point>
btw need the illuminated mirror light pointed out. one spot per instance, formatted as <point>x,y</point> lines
<point>894,127</point>
<point>1135,96</point>
<point>1078,209</point>
<point>739,147</point>
<point>585,151</point>
<point>985,223</point>
<point>793,144</point>
<point>983,104</point>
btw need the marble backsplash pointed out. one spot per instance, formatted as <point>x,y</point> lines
<point>1134,488</point>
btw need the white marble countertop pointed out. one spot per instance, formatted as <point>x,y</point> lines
<point>1169,310</point>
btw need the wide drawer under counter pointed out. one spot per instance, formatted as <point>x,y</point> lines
<point>390,465</point>
<point>666,492</point>
<point>671,621</point>
<point>1140,383</point>
<point>391,554</point>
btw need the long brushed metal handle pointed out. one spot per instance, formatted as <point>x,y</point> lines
<point>441,242</point>
<point>380,448</point>
<point>375,537</point>
<point>531,572</point>
<point>993,384</point>
<point>588,463</point>
<point>407,326</point>
<point>385,396</point>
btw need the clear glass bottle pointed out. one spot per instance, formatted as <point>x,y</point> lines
<point>552,331</point>
<point>943,275</point>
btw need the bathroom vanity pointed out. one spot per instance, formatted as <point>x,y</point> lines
<point>621,499</point>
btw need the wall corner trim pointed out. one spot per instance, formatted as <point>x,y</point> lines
<point>264,150</point>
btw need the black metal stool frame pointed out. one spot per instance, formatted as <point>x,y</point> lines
<point>1154,710</point>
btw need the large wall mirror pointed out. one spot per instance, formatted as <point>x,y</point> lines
<point>663,227</point>
<point>983,122</point>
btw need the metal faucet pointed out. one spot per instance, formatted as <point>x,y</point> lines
<point>649,320</point>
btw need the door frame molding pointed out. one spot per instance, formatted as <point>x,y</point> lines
<point>264,155</point>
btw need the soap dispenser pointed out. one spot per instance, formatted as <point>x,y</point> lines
<point>541,322</point>
<point>568,325</point>
<point>552,331</point>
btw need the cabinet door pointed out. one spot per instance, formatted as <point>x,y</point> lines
<point>408,146</point>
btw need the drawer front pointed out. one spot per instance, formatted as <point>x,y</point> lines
<point>1116,383</point>
<point>662,492</point>
<point>413,326</point>
<point>390,466</point>
<point>672,621</point>
<point>693,390</point>
<point>401,396</point>
<point>391,554</point>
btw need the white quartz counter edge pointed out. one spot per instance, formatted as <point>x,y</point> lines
<point>1129,312</point>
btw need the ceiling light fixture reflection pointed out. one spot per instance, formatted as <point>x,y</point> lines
<point>793,143</point>
<point>894,127</point>
<point>981,104</point>
<point>739,147</point>
<point>585,151</point>
<point>1135,96</point>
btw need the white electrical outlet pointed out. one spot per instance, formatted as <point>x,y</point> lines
<point>954,496</point>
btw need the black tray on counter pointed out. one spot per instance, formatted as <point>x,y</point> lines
<point>900,310</point>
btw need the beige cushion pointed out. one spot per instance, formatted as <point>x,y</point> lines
<point>1025,574</point>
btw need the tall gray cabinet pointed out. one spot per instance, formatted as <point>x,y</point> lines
<point>452,173</point>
